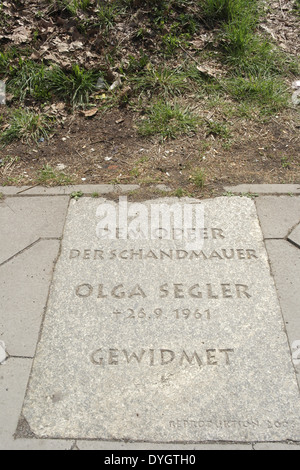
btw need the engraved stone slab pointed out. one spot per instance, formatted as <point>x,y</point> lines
<point>150,340</point>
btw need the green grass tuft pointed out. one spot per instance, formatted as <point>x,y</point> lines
<point>29,79</point>
<point>73,6</point>
<point>198,178</point>
<point>26,126</point>
<point>49,176</point>
<point>270,93</point>
<point>160,80</point>
<point>108,14</point>
<point>218,129</point>
<point>297,7</point>
<point>73,87</point>
<point>168,121</point>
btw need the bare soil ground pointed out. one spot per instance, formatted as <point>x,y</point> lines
<point>107,147</point>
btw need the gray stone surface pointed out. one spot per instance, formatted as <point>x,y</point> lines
<point>44,191</point>
<point>294,237</point>
<point>126,188</point>
<point>107,188</point>
<point>13,380</point>
<point>123,446</point>
<point>20,289</point>
<point>264,188</point>
<point>12,190</point>
<point>274,446</point>
<point>278,215</point>
<point>87,189</point>
<point>87,383</point>
<point>285,263</point>
<point>67,190</point>
<point>24,220</point>
<point>24,285</point>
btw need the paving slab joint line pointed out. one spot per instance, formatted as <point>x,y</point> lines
<point>277,292</point>
<point>20,252</point>
<point>275,238</point>
<point>45,239</point>
<point>30,246</point>
<point>286,238</point>
<point>45,310</point>
<point>26,189</point>
<point>293,243</point>
<point>284,328</point>
<point>12,356</point>
<point>52,274</point>
<point>290,233</point>
<point>279,301</point>
<point>293,228</point>
<point>75,446</point>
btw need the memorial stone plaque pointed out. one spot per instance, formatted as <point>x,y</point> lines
<point>164,339</point>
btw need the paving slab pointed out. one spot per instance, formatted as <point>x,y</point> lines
<point>285,263</point>
<point>45,191</point>
<point>294,236</point>
<point>24,286</point>
<point>126,188</point>
<point>12,190</point>
<point>163,340</point>
<point>24,221</point>
<point>274,446</point>
<point>86,189</point>
<point>264,189</point>
<point>278,215</point>
<point>147,446</point>
<point>13,381</point>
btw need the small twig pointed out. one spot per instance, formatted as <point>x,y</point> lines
<point>78,153</point>
<point>189,54</point>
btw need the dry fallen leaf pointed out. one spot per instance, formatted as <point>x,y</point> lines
<point>35,56</point>
<point>206,70</point>
<point>51,58</point>
<point>21,35</point>
<point>75,45</point>
<point>9,97</point>
<point>90,112</point>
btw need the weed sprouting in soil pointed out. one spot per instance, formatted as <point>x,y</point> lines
<point>49,176</point>
<point>27,126</point>
<point>74,87</point>
<point>168,120</point>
